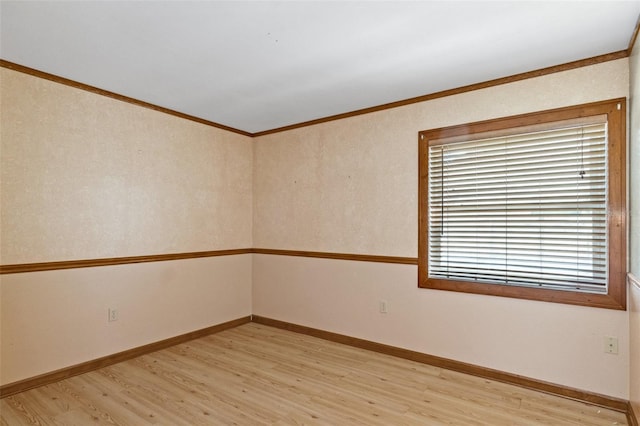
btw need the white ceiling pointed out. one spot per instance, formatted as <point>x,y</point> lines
<point>261,65</point>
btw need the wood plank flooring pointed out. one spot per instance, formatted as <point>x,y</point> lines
<point>258,375</point>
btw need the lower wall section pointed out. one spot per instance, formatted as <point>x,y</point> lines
<point>560,344</point>
<point>54,319</point>
<point>634,338</point>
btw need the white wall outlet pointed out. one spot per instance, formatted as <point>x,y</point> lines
<point>383,307</point>
<point>113,315</point>
<point>611,345</point>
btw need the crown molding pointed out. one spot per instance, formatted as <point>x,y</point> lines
<point>72,83</point>
<point>469,88</point>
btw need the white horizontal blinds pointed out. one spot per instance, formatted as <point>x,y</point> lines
<point>524,210</point>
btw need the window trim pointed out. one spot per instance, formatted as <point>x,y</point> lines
<point>615,298</point>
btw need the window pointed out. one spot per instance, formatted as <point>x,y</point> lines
<point>529,206</point>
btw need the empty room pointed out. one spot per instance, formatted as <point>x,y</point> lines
<point>319,212</point>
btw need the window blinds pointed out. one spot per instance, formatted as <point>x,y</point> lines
<point>524,210</point>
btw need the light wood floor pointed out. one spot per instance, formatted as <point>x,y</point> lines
<point>254,375</point>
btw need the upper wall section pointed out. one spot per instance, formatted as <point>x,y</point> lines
<point>634,162</point>
<point>350,186</point>
<point>86,176</point>
<point>634,230</point>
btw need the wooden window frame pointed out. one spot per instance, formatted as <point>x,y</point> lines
<point>615,298</point>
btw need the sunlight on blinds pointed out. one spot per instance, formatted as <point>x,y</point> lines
<point>524,210</point>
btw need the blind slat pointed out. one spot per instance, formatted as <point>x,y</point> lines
<point>524,210</point>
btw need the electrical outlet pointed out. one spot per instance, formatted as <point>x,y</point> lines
<point>383,306</point>
<point>611,345</point>
<point>113,315</point>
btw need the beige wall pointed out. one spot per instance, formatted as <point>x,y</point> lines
<point>557,343</point>
<point>87,177</point>
<point>84,176</point>
<point>634,162</point>
<point>634,347</point>
<point>351,186</point>
<point>634,225</point>
<point>56,319</point>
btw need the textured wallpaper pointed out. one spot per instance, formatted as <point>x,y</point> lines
<point>85,176</point>
<point>634,163</point>
<point>634,230</point>
<point>351,185</point>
